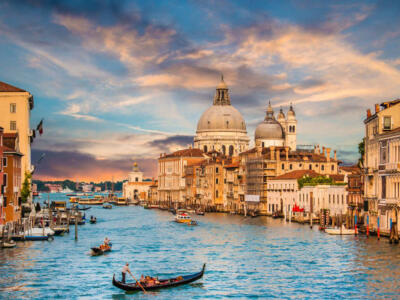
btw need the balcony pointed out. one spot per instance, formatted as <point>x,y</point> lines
<point>389,201</point>
<point>392,167</point>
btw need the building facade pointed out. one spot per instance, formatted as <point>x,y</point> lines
<point>15,108</point>
<point>171,170</point>
<point>382,165</point>
<point>136,188</point>
<point>222,127</point>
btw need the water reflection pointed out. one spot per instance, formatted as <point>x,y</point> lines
<point>246,257</point>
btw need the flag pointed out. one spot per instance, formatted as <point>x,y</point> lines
<point>40,127</point>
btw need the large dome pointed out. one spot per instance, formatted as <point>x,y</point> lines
<point>221,118</point>
<point>269,128</point>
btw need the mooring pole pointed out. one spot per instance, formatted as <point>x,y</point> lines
<point>367,225</point>
<point>76,225</point>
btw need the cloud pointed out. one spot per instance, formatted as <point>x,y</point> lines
<point>81,166</point>
<point>172,143</point>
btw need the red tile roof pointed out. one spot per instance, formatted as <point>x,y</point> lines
<point>297,174</point>
<point>191,152</point>
<point>5,87</point>
<point>337,177</point>
<point>233,165</point>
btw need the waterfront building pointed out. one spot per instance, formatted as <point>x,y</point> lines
<point>153,193</point>
<point>355,189</point>
<point>87,188</point>
<point>12,178</point>
<point>273,156</point>
<point>136,188</point>
<point>281,132</point>
<point>233,193</point>
<point>15,108</point>
<point>171,171</point>
<point>222,127</point>
<point>2,204</point>
<point>382,165</point>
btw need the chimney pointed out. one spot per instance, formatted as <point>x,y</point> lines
<point>334,155</point>
<point>368,113</point>
<point>328,154</point>
<point>376,108</point>
<point>323,151</point>
<point>287,153</point>
<point>272,149</point>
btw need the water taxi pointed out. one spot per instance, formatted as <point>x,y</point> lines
<point>183,217</point>
<point>121,201</point>
<point>74,199</point>
<point>340,231</point>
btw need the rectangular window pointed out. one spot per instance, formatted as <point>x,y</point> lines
<point>13,125</point>
<point>13,108</point>
<point>216,170</point>
<point>4,161</point>
<point>387,123</point>
<point>216,180</point>
<point>290,166</point>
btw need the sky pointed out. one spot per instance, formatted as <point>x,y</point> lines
<point>123,81</point>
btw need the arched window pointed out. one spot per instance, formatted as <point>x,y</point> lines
<point>205,148</point>
<point>290,128</point>
<point>230,150</point>
<point>216,194</point>
<point>223,149</point>
<point>293,128</point>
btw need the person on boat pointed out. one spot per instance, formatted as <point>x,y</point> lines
<point>142,279</point>
<point>106,241</point>
<point>125,269</point>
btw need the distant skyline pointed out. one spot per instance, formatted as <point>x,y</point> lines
<point>123,81</point>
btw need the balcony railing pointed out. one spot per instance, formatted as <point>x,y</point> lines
<point>388,201</point>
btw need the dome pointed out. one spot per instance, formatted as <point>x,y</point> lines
<point>281,115</point>
<point>221,118</point>
<point>291,114</point>
<point>269,128</point>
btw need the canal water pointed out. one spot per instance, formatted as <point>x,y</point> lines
<point>245,257</point>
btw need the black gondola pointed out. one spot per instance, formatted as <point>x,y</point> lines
<point>164,283</point>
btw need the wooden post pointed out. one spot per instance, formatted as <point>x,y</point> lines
<point>355,222</point>
<point>311,209</point>
<point>76,226</point>
<point>3,235</point>
<point>378,228</point>
<point>367,225</point>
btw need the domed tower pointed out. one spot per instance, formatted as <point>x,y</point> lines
<point>135,175</point>
<point>281,119</point>
<point>269,132</point>
<point>291,129</point>
<point>222,127</point>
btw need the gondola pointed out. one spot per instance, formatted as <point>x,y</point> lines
<point>96,251</point>
<point>164,283</point>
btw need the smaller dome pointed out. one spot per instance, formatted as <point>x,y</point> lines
<point>291,114</point>
<point>269,128</point>
<point>281,115</point>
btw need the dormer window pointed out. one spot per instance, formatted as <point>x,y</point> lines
<point>387,123</point>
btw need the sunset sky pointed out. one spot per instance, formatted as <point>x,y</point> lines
<point>123,81</point>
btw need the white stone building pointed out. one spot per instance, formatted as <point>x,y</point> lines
<point>277,133</point>
<point>136,188</point>
<point>222,127</point>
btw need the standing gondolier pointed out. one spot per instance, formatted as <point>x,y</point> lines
<point>125,269</point>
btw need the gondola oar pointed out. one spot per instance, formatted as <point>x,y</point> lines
<point>139,284</point>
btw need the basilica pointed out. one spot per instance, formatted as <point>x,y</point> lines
<point>222,127</point>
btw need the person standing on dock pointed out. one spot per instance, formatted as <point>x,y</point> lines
<point>125,269</point>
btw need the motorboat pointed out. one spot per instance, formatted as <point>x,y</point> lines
<point>36,231</point>
<point>183,217</point>
<point>340,231</point>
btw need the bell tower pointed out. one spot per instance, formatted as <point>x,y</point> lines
<point>291,129</point>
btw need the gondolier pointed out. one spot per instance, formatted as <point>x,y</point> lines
<point>125,269</point>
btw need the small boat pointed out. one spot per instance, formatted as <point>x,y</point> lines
<point>36,231</point>
<point>340,231</point>
<point>193,223</point>
<point>162,283</point>
<point>36,237</point>
<point>96,251</point>
<point>59,230</point>
<point>9,244</point>
<point>182,217</point>
<point>200,213</point>
<point>107,206</point>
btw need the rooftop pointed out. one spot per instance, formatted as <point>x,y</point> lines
<point>5,87</point>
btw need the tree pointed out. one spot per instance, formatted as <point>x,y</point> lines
<point>26,187</point>
<point>361,150</point>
